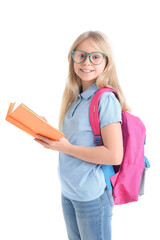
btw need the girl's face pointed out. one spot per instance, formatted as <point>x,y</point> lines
<point>87,71</point>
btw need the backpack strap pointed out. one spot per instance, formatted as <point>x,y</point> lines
<point>95,124</point>
<point>94,114</point>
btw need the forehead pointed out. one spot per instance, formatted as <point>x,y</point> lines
<point>89,45</point>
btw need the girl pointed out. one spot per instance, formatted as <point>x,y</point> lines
<point>86,202</point>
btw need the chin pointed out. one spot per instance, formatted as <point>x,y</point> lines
<point>88,78</point>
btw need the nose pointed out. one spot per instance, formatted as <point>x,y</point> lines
<point>87,61</point>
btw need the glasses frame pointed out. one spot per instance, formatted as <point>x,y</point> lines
<point>88,54</point>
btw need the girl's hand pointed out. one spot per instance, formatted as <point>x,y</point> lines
<point>44,118</point>
<point>61,145</point>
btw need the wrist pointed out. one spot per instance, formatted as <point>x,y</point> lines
<point>65,146</point>
<point>68,148</point>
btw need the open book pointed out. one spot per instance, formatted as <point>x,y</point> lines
<point>25,119</point>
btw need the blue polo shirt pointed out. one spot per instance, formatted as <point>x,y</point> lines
<point>80,180</point>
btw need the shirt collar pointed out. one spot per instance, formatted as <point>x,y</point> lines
<point>90,91</point>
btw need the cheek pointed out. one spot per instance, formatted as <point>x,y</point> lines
<point>101,69</point>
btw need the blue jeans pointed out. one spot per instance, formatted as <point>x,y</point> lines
<point>89,220</point>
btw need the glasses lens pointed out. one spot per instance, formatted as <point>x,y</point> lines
<point>78,56</point>
<point>96,58</point>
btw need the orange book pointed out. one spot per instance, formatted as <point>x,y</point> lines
<point>25,119</point>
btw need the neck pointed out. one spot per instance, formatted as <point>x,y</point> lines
<point>87,84</point>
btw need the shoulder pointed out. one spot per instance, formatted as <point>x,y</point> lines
<point>109,109</point>
<point>109,98</point>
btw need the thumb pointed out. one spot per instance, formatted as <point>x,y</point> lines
<point>43,118</point>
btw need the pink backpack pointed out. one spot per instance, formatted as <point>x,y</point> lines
<point>126,180</point>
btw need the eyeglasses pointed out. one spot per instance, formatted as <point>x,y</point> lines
<point>96,58</point>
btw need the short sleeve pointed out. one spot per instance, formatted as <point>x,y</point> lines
<point>109,109</point>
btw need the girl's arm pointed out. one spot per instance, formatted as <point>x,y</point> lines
<point>111,153</point>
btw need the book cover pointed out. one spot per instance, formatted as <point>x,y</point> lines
<point>28,121</point>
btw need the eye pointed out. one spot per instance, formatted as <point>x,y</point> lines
<point>95,57</point>
<point>81,55</point>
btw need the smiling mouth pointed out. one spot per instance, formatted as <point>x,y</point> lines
<point>87,70</point>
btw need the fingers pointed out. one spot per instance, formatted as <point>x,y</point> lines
<point>43,118</point>
<point>44,139</point>
<point>44,144</point>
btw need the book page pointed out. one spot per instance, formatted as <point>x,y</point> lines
<point>14,107</point>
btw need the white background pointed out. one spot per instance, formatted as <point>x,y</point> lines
<point>35,37</point>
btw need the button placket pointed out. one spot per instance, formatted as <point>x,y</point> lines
<point>78,102</point>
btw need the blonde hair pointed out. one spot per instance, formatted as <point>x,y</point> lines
<point>106,79</point>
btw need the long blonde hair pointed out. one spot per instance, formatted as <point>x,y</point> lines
<point>106,79</point>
